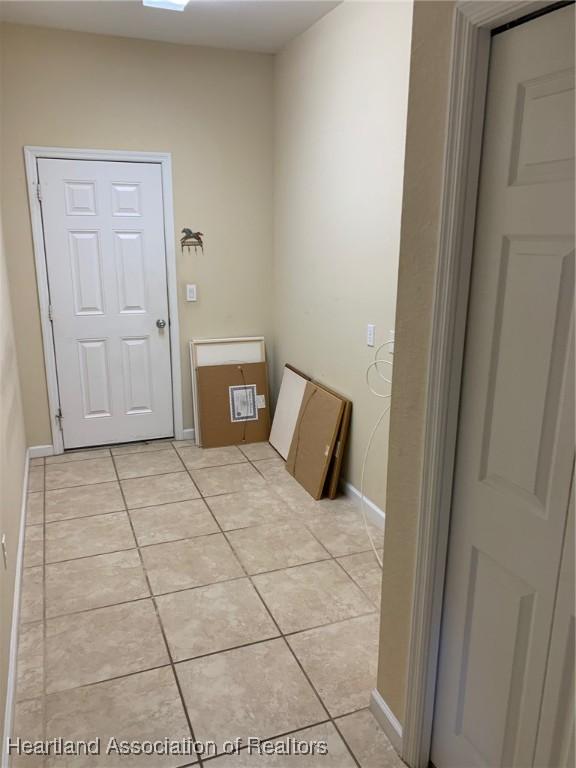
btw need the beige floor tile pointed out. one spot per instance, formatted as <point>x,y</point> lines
<point>366,572</point>
<point>190,563</point>
<point>236,477</point>
<point>141,707</point>
<point>287,487</point>
<point>258,690</point>
<point>94,582</point>
<point>273,468</point>
<point>214,618</point>
<point>29,726</point>
<point>339,526</point>
<point>151,446</point>
<point>159,489</point>
<point>83,501</point>
<point>34,545</point>
<point>91,453</point>
<point>85,472</point>
<point>337,755</point>
<point>311,595</point>
<point>368,741</point>
<point>181,443</point>
<point>341,661</point>
<point>35,508</point>
<point>38,462</point>
<point>169,522</point>
<point>247,508</point>
<point>258,451</point>
<point>87,536</point>
<point>97,645</point>
<point>30,683</point>
<point>36,479</point>
<point>143,464</point>
<point>270,547</point>
<point>295,497</point>
<point>200,458</point>
<point>32,600</point>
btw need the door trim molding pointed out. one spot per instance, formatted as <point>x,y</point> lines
<point>472,23</point>
<point>164,159</point>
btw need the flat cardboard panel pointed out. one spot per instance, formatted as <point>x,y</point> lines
<point>287,410</point>
<point>249,349</point>
<point>242,349</point>
<point>314,438</point>
<point>335,469</point>
<point>213,386</point>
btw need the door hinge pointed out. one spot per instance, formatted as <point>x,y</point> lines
<point>50,313</point>
<point>59,418</point>
<point>39,191</point>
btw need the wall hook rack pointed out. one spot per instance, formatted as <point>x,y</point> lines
<point>192,239</point>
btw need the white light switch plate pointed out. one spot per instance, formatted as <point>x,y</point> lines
<point>191,293</point>
<point>370,334</point>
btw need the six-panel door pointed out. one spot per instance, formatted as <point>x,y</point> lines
<point>106,260</point>
<point>515,448</point>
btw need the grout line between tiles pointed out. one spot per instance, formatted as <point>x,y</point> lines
<point>203,497</point>
<point>283,637</point>
<point>105,455</point>
<point>161,626</point>
<point>109,679</point>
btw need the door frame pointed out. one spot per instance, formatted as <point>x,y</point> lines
<point>468,78</point>
<point>164,159</point>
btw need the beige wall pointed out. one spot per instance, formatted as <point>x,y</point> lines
<point>425,138</point>
<point>211,109</point>
<point>12,452</point>
<point>341,94</point>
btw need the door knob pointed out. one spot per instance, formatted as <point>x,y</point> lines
<point>161,323</point>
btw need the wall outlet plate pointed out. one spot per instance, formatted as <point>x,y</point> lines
<point>191,292</point>
<point>370,334</point>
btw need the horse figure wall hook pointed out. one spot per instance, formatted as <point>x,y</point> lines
<point>191,240</point>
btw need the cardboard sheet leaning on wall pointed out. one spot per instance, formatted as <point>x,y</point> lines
<point>233,404</point>
<point>315,438</point>
<point>288,405</point>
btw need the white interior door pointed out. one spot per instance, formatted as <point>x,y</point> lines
<point>106,259</point>
<point>515,448</point>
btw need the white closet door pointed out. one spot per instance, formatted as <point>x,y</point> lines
<point>105,252</point>
<point>515,447</point>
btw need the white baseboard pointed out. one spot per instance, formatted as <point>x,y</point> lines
<point>38,451</point>
<point>373,511</point>
<point>387,720</point>
<point>13,652</point>
<point>188,434</point>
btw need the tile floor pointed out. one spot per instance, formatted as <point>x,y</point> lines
<point>171,591</point>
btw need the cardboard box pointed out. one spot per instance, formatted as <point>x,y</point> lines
<point>233,404</point>
<point>314,438</point>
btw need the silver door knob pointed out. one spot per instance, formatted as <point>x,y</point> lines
<point>160,323</point>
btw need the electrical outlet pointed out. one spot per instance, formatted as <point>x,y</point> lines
<point>370,334</point>
<point>191,292</point>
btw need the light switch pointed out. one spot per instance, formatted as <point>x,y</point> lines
<point>370,334</point>
<point>191,294</point>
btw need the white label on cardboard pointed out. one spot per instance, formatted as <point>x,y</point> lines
<point>260,401</point>
<point>243,403</point>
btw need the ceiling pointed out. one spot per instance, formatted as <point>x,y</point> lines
<point>251,25</point>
